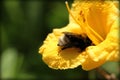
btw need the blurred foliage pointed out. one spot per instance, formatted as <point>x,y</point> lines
<point>24,26</point>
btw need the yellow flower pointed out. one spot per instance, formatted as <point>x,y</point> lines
<point>100,21</point>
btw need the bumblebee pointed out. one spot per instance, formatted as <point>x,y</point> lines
<point>69,40</point>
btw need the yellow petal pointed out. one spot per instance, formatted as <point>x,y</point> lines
<point>89,64</point>
<point>108,50</point>
<point>56,59</point>
<point>100,17</point>
<point>95,18</point>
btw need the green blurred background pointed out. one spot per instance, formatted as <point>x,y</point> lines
<point>24,26</point>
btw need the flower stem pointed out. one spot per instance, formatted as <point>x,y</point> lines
<point>106,74</point>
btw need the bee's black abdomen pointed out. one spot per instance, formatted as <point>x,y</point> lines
<point>86,42</point>
<point>69,40</point>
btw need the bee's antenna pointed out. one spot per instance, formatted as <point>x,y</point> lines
<point>96,35</point>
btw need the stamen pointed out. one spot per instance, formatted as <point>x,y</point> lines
<point>83,28</point>
<point>72,14</point>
